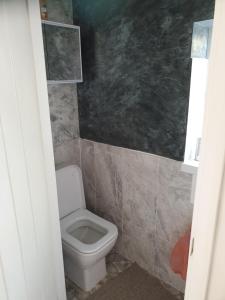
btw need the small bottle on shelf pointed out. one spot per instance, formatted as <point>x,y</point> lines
<point>43,9</point>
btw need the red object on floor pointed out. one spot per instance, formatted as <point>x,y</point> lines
<point>179,255</point>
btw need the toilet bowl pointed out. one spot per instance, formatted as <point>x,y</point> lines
<point>86,238</point>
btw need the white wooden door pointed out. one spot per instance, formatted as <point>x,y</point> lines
<point>31,265</point>
<point>206,270</point>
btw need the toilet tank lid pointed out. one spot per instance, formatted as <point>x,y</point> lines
<point>70,190</point>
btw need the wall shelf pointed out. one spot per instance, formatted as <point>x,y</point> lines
<point>63,81</point>
<point>59,24</point>
<point>62,47</point>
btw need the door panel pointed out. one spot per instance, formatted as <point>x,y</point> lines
<point>3,291</point>
<point>31,268</point>
<point>12,271</point>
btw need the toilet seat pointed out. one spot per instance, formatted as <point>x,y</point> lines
<point>74,218</point>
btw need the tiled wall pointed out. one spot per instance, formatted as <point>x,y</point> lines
<point>64,123</point>
<point>146,196</point>
<point>60,11</point>
<point>63,101</point>
<point>64,112</point>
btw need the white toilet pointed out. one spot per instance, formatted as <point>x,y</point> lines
<point>86,238</point>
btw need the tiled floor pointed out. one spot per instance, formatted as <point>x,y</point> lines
<point>115,264</point>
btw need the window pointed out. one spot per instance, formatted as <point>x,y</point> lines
<point>201,41</point>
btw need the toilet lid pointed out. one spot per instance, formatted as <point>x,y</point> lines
<point>70,190</point>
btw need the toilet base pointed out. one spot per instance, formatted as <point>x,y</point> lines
<point>87,278</point>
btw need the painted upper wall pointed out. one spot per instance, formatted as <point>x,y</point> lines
<point>137,65</point>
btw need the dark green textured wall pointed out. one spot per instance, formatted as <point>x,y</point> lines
<point>136,64</point>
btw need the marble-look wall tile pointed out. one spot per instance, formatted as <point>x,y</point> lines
<point>139,203</point>
<point>67,154</point>
<point>60,11</point>
<point>174,208</point>
<point>101,167</point>
<point>163,270</point>
<point>146,196</point>
<point>109,184</point>
<point>173,216</point>
<point>63,112</point>
<point>63,101</point>
<point>88,171</point>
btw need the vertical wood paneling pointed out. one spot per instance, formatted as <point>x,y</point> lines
<point>10,250</point>
<point>3,290</point>
<point>26,220</point>
<point>14,143</point>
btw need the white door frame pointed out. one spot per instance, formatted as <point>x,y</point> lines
<point>31,264</point>
<point>206,270</point>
